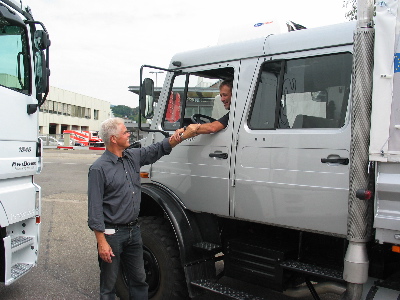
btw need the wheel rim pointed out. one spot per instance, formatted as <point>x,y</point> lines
<point>152,271</point>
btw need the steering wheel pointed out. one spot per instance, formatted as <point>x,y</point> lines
<point>199,119</point>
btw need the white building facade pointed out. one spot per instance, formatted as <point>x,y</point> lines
<point>66,110</point>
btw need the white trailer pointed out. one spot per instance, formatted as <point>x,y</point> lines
<point>24,73</point>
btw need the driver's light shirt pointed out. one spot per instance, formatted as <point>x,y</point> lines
<point>114,191</point>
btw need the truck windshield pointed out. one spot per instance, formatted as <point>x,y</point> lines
<point>14,58</point>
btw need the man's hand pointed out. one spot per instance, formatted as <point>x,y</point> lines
<point>105,252</point>
<point>191,131</point>
<point>104,249</point>
<point>185,132</point>
<point>177,135</point>
<point>182,134</point>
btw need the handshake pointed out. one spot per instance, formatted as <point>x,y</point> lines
<point>186,132</point>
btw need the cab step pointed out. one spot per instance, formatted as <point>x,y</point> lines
<point>20,242</point>
<point>20,269</point>
<point>208,247</point>
<point>310,269</point>
<point>220,289</point>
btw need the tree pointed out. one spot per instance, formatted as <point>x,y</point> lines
<point>136,115</point>
<point>352,5</point>
<point>123,111</point>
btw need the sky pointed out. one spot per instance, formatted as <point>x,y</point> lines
<point>98,47</point>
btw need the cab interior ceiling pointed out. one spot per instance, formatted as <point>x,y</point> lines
<point>223,73</point>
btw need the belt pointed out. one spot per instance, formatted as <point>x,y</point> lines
<point>130,224</point>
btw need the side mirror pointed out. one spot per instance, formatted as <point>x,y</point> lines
<point>41,75</point>
<point>41,40</point>
<point>42,72</point>
<point>147,98</point>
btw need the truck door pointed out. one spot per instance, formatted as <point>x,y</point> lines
<point>293,146</point>
<point>197,170</point>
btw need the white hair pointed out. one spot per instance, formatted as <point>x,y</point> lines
<point>109,128</point>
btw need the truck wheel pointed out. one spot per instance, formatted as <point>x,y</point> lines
<point>164,272</point>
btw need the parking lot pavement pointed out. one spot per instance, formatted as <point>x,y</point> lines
<point>67,267</point>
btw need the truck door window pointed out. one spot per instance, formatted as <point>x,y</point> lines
<point>172,113</point>
<point>310,92</point>
<point>14,58</point>
<point>202,97</point>
<point>263,111</point>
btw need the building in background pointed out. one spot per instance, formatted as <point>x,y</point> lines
<point>66,110</point>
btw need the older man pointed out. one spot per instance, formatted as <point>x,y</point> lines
<point>114,200</point>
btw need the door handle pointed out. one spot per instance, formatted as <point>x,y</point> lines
<point>338,160</point>
<point>219,154</point>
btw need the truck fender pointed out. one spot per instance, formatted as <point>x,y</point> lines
<point>183,221</point>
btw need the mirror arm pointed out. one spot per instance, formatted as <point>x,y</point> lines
<point>166,134</point>
<point>32,22</point>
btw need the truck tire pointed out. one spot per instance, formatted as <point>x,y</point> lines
<point>164,272</point>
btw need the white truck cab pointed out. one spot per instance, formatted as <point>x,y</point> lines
<point>24,72</point>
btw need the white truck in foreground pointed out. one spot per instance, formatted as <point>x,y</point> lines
<point>300,193</point>
<point>24,73</point>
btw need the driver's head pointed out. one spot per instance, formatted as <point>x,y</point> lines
<point>225,91</point>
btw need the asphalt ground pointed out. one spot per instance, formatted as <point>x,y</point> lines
<point>67,267</point>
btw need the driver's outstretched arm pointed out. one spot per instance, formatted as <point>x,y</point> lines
<point>196,129</point>
<point>206,128</point>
